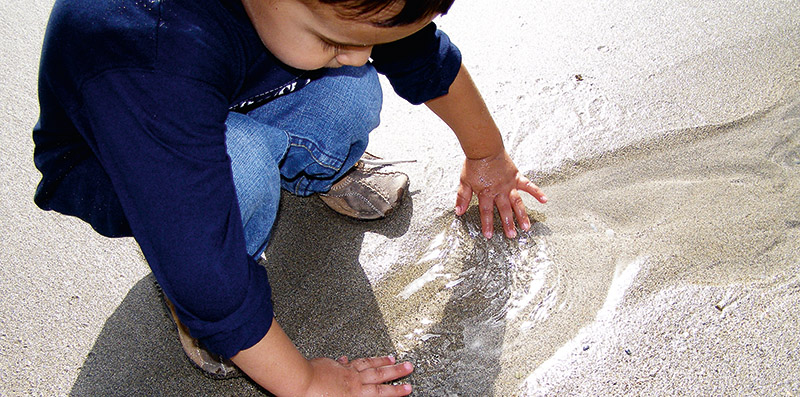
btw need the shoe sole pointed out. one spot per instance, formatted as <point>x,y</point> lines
<point>169,309</point>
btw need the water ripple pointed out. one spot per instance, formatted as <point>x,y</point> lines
<point>450,308</point>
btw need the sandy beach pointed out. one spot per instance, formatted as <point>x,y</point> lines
<point>666,136</point>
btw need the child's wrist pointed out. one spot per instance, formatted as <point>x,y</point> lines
<point>485,154</point>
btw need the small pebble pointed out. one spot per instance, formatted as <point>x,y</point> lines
<point>628,351</point>
<point>585,348</point>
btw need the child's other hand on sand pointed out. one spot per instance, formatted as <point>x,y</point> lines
<point>360,377</point>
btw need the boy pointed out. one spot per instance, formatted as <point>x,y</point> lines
<point>177,122</point>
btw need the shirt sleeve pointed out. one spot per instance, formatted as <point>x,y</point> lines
<point>420,67</point>
<point>161,140</point>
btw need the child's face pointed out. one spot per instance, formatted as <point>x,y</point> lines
<point>308,35</point>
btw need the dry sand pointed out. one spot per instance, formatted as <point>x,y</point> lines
<point>666,135</point>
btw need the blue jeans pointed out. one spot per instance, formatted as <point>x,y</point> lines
<point>303,142</point>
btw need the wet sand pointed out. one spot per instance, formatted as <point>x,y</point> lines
<point>670,265</point>
<point>703,233</point>
<point>667,137</point>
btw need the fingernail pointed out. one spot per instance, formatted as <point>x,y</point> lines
<point>544,199</point>
<point>526,226</point>
<point>488,235</point>
<point>512,234</point>
<point>391,358</point>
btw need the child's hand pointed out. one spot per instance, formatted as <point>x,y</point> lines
<point>276,364</point>
<point>488,171</point>
<point>361,377</point>
<point>497,182</point>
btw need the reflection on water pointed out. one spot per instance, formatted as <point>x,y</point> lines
<point>451,307</point>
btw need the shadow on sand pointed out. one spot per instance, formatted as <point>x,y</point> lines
<point>321,295</point>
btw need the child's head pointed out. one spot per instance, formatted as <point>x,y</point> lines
<point>312,34</point>
<point>388,13</point>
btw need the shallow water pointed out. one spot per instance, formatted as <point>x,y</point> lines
<point>687,221</point>
<point>450,308</point>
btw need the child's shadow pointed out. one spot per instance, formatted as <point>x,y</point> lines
<point>321,294</point>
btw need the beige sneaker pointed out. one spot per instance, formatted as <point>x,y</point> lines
<point>367,192</point>
<point>212,365</point>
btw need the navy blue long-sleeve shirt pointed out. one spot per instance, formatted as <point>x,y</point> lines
<point>131,138</point>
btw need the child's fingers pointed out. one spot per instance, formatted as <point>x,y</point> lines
<point>519,210</point>
<point>506,216</point>
<point>362,364</point>
<point>463,198</point>
<point>386,390</point>
<point>486,208</point>
<point>527,186</point>
<point>386,373</point>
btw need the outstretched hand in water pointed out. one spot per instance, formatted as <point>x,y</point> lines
<point>488,171</point>
<point>497,182</point>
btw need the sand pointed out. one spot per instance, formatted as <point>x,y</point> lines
<point>666,135</point>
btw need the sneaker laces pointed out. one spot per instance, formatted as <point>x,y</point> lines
<point>378,161</point>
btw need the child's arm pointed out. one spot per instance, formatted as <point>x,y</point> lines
<point>488,170</point>
<point>277,365</point>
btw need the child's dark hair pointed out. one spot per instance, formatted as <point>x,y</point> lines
<point>411,11</point>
